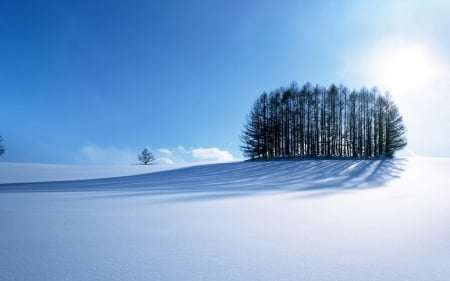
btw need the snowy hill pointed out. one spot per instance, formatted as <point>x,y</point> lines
<point>242,177</point>
<point>32,172</point>
<point>279,220</point>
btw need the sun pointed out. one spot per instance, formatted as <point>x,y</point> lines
<point>405,69</point>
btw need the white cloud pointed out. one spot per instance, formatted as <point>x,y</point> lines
<point>170,156</point>
<point>165,151</point>
<point>181,154</point>
<point>212,154</point>
<point>97,155</point>
<point>183,150</point>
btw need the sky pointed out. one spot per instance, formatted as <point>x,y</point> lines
<point>94,82</point>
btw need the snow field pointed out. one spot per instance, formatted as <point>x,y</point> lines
<point>283,220</point>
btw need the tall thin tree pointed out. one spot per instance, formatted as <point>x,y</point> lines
<point>2,147</point>
<point>327,122</point>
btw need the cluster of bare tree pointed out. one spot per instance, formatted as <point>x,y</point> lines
<point>319,122</point>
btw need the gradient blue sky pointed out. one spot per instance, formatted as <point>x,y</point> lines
<point>93,82</point>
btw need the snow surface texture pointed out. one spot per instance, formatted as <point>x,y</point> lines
<point>287,220</point>
<point>28,172</point>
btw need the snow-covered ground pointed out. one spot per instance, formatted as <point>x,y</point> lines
<point>286,220</point>
<point>31,172</point>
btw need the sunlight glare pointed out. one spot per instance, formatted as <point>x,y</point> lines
<point>405,69</point>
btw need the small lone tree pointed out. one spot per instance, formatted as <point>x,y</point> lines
<point>146,157</point>
<point>2,148</point>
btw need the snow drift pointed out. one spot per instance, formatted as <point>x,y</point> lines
<point>32,172</point>
<point>285,220</point>
<point>242,177</point>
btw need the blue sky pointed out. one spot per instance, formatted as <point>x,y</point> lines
<point>93,82</point>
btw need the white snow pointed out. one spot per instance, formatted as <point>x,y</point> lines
<point>32,172</point>
<point>285,220</point>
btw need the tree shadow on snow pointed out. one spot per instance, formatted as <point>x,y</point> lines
<point>236,179</point>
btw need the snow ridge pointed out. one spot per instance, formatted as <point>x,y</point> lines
<point>245,177</point>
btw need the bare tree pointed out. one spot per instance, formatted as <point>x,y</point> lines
<point>2,148</point>
<point>146,157</point>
